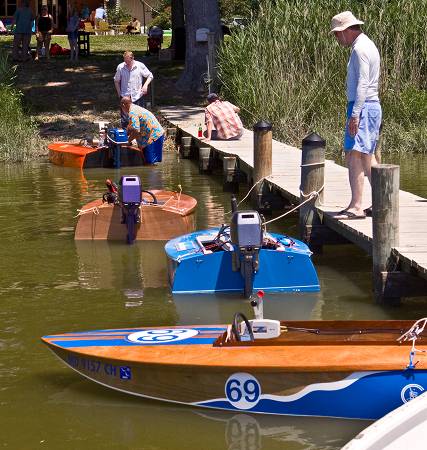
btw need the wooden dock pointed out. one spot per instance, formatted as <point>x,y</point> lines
<point>410,254</point>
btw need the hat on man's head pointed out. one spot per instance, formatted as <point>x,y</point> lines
<point>344,20</point>
<point>212,97</point>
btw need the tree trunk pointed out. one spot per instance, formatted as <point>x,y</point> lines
<point>178,27</point>
<point>198,14</point>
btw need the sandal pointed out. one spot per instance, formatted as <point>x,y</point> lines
<point>348,215</point>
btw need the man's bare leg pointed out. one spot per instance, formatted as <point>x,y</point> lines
<point>356,177</point>
<point>369,161</point>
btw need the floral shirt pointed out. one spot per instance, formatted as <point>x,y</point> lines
<point>146,123</point>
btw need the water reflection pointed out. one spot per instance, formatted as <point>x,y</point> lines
<point>220,309</point>
<point>142,423</point>
<point>132,268</point>
<point>247,432</point>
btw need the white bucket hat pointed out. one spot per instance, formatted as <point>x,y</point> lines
<point>343,20</point>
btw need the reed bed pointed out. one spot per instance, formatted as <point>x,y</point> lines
<point>285,67</point>
<point>20,140</point>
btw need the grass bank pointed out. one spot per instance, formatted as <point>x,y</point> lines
<point>20,140</point>
<point>286,68</point>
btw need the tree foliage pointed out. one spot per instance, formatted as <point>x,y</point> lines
<point>162,16</point>
<point>237,8</point>
<point>116,15</point>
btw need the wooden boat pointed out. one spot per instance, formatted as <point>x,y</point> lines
<point>347,369</point>
<point>173,214</point>
<point>87,157</point>
<point>401,428</point>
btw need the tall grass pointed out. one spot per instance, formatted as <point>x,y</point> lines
<point>19,137</point>
<point>286,68</point>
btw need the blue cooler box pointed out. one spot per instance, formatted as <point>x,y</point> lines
<point>118,135</point>
<point>130,189</point>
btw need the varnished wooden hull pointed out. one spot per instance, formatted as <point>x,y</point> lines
<point>79,156</point>
<point>174,215</point>
<point>354,379</point>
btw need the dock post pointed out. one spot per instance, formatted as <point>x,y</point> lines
<point>263,144</point>
<point>385,225</point>
<point>231,183</point>
<point>205,160</point>
<point>185,147</point>
<point>312,180</point>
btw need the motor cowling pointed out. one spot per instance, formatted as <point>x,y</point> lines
<point>246,237</point>
<point>130,196</point>
<point>246,229</point>
<point>130,190</point>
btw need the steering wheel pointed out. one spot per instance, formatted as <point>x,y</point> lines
<point>154,201</point>
<point>235,327</point>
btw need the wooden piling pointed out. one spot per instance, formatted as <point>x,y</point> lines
<point>312,180</point>
<point>263,144</point>
<point>205,160</point>
<point>230,183</point>
<point>185,147</point>
<point>385,224</point>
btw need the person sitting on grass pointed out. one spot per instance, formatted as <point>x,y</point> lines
<point>72,31</point>
<point>145,128</point>
<point>134,26</point>
<point>223,116</point>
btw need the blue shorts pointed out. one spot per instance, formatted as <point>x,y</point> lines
<point>367,136</point>
<point>153,152</point>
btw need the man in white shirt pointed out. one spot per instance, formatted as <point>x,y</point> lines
<point>364,113</point>
<point>132,79</point>
<point>100,14</point>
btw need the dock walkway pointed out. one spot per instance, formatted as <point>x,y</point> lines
<point>286,176</point>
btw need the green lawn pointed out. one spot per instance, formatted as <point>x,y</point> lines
<point>100,45</point>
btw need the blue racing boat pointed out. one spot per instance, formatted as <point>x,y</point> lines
<point>349,369</point>
<point>239,258</point>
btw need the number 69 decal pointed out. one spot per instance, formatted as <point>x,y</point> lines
<point>162,335</point>
<point>242,390</point>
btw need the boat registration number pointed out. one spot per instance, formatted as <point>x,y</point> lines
<point>95,366</point>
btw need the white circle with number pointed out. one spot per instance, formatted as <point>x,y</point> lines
<point>161,336</point>
<point>242,390</point>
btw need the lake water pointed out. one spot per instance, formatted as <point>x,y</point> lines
<point>48,285</point>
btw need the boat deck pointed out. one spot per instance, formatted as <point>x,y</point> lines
<point>347,350</point>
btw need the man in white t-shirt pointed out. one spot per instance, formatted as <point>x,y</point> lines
<point>132,79</point>
<point>364,112</point>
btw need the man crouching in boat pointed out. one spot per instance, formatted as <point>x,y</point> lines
<point>146,129</point>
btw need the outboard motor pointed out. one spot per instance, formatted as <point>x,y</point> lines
<point>116,137</point>
<point>246,237</point>
<point>130,196</point>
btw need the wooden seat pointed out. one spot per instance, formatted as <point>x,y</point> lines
<point>103,27</point>
<point>89,28</point>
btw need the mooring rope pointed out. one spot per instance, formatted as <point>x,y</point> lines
<point>412,335</point>
<point>94,210</point>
